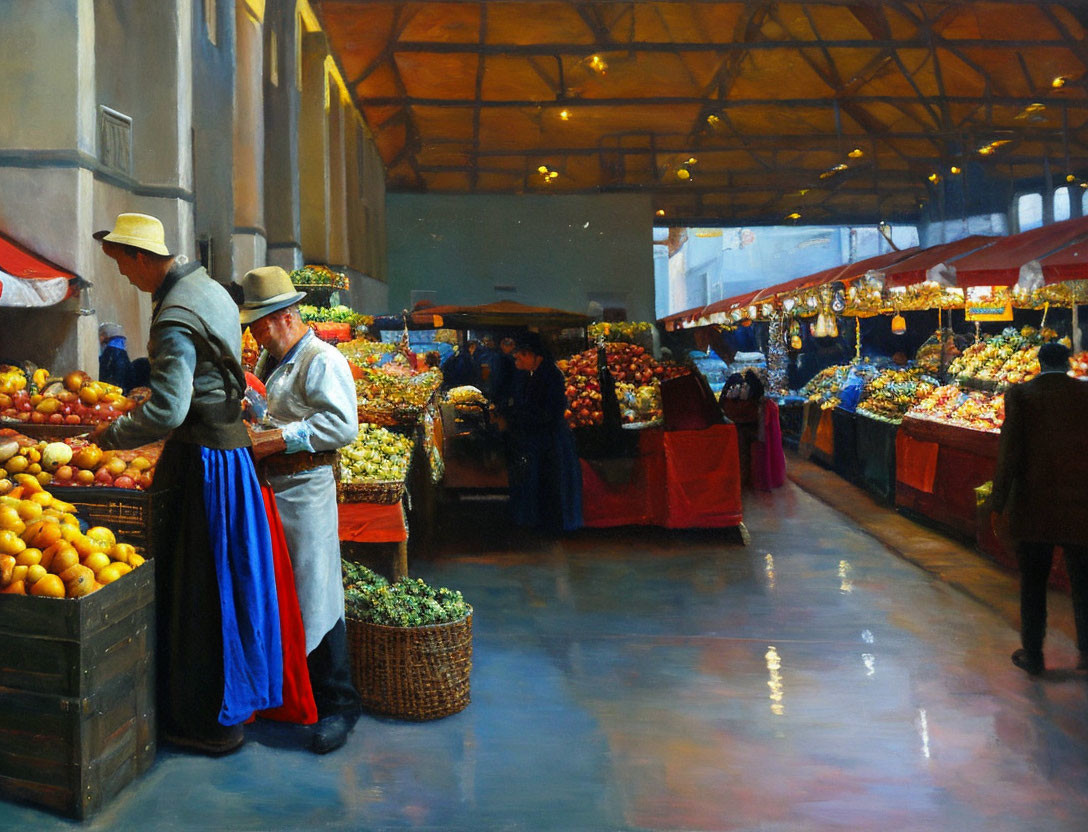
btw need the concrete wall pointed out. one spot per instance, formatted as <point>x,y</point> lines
<point>561,251</point>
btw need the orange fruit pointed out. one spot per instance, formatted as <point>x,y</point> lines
<point>97,561</point>
<point>17,464</point>
<point>136,560</point>
<point>35,573</point>
<point>29,510</point>
<point>65,558</point>
<point>7,567</point>
<point>102,535</point>
<point>10,543</point>
<point>87,547</point>
<point>109,574</point>
<point>19,573</point>
<point>48,586</point>
<point>29,557</point>
<point>42,534</point>
<point>9,518</point>
<point>122,552</point>
<point>14,588</point>
<point>84,476</point>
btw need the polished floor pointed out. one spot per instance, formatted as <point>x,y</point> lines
<point>645,680</point>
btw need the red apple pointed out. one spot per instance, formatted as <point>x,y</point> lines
<point>124,482</point>
<point>103,477</point>
<point>56,419</point>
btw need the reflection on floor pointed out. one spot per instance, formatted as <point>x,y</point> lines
<point>644,679</point>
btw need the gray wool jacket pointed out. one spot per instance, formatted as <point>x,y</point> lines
<point>195,350</point>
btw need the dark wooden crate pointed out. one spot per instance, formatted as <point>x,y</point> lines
<point>135,516</point>
<point>77,694</point>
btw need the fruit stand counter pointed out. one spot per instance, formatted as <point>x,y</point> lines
<point>817,435</point>
<point>377,523</point>
<point>844,455</point>
<point>938,468</point>
<point>680,479</point>
<point>876,456</point>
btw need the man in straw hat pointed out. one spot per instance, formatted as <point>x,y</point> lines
<point>312,408</point>
<point>220,657</point>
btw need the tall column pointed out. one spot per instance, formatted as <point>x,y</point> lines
<point>248,240</point>
<point>313,149</point>
<point>281,136</point>
<point>339,124</point>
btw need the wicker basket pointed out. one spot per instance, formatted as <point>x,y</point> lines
<point>384,492</point>
<point>413,673</point>
<point>399,415</point>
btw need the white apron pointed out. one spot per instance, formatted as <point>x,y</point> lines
<point>314,387</point>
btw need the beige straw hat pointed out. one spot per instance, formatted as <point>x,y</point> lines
<point>136,230</point>
<point>266,290</point>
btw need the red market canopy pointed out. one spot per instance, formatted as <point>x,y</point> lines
<point>914,269</point>
<point>28,280</point>
<point>1070,263</point>
<point>848,271</point>
<point>999,264</point>
<point>881,262</point>
<point>498,314</point>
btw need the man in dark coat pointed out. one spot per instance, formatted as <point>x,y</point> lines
<point>1041,484</point>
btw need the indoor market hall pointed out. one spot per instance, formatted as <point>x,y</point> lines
<point>847,669</point>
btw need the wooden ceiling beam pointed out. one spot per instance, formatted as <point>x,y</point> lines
<point>688,100</point>
<point>724,47</point>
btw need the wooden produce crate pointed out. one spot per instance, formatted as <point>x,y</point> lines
<point>77,694</point>
<point>135,517</point>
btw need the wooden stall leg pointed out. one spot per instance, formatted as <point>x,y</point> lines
<point>400,561</point>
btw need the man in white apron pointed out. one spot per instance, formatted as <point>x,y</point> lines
<point>312,404</point>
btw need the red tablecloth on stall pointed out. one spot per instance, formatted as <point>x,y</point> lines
<point>373,523</point>
<point>681,479</point>
<point>938,467</point>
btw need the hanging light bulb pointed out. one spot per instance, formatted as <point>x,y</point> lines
<point>795,342</point>
<point>899,324</point>
<point>788,304</point>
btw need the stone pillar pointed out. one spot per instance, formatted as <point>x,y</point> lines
<point>248,240</point>
<point>281,136</point>
<point>339,123</point>
<point>313,150</point>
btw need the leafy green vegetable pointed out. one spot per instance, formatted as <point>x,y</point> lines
<point>410,602</point>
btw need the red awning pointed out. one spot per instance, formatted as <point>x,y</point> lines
<point>913,269</point>
<point>999,264</point>
<point>28,280</point>
<point>876,264</point>
<point>1070,263</point>
<point>844,272</point>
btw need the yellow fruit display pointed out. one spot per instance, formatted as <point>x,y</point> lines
<point>44,553</point>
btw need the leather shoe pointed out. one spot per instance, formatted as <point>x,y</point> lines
<point>1030,663</point>
<point>330,733</point>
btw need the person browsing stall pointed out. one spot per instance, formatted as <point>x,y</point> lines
<point>543,468</point>
<point>219,654</point>
<point>1041,487</point>
<point>312,403</point>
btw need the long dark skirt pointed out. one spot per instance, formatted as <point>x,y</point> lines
<point>189,621</point>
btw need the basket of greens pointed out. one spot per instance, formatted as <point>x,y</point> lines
<point>410,645</point>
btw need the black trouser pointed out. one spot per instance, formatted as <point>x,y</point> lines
<point>330,674</point>
<point>1035,561</point>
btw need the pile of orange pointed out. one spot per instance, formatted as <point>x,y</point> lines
<point>44,553</point>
